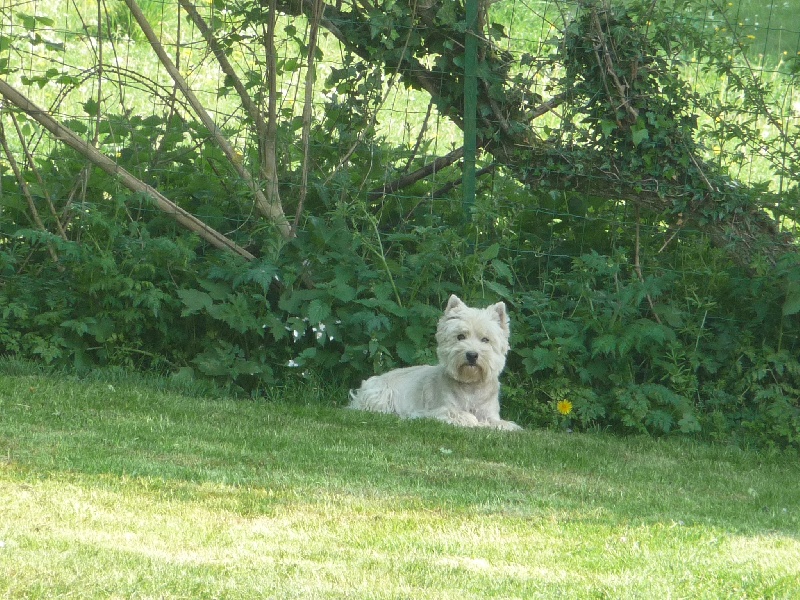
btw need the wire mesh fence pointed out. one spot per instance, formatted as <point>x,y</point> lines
<point>90,65</point>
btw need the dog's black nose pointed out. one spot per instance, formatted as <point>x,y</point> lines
<point>472,358</point>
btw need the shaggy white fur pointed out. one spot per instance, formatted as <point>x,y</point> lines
<point>464,388</point>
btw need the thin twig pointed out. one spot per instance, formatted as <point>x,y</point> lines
<point>23,185</point>
<point>638,268</point>
<point>421,173</point>
<point>35,170</point>
<point>100,160</point>
<point>546,107</point>
<point>451,185</point>
<point>420,137</point>
<point>269,166</point>
<point>711,188</point>
<point>502,121</point>
<point>270,209</point>
<point>607,61</point>
<point>222,59</point>
<point>428,87</point>
<point>319,8</point>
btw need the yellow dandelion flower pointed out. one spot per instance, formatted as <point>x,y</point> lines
<point>564,407</point>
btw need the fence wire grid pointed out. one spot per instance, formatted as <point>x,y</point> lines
<point>92,69</point>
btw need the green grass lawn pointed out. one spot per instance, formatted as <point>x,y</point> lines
<point>126,489</point>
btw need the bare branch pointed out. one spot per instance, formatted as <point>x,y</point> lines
<point>37,174</point>
<point>437,165</point>
<point>316,16</point>
<point>128,180</point>
<point>247,101</point>
<point>25,190</point>
<point>267,207</point>
<point>269,163</point>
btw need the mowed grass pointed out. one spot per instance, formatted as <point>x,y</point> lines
<point>125,489</point>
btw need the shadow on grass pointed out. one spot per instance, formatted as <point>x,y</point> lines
<point>286,448</point>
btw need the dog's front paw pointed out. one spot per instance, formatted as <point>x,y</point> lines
<point>507,425</point>
<point>462,418</point>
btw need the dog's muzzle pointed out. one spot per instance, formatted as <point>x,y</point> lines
<point>472,358</point>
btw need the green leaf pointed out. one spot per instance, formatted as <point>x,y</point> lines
<point>195,301</point>
<point>28,21</point>
<point>639,135</point>
<point>344,293</point>
<point>604,344</point>
<point>262,274</point>
<point>79,326</point>
<point>491,252</point>
<point>538,359</point>
<point>608,127</point>
<point>406,351</point>
<point>498,288</point>
<point>660,420</point>
<point>237,314</point>
<point>318,311</point>
<point>791,306</point>
<point>503,270</point>
<point>218,290</point>
<point>91,107</point>
<point>689,424</point>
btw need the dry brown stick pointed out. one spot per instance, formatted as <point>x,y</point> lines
<point>32,167</point>
<point>266,206</point>
<point>247,101</point>
<point>109,166</point>
<point>406,180</point>
<point>316,16</point>
<point>25,190</point>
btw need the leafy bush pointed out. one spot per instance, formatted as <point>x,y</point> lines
<point>683,363</point>
<point>704,350</point>
<point>622,319</point>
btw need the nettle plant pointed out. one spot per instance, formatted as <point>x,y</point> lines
<point>660,354</point>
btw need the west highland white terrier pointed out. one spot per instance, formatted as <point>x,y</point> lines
<point>464,388</point>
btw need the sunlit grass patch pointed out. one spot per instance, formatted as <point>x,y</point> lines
<point>120,490</point>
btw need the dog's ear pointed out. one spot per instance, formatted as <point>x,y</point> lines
<point>502,315</point>
<point>453,303</point>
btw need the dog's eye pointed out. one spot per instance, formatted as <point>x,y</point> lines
<point>461,336</point>
<point>485,340</point>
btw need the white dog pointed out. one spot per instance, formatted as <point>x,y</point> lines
<point>463,389</point>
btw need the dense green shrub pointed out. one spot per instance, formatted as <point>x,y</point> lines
<point>623,318</point>
<point>694,345</point>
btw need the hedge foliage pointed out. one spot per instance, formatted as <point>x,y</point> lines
<point>622,318</point>
<point>690,345</point>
